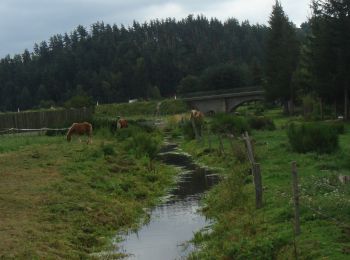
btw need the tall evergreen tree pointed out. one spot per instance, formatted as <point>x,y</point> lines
<point>329,47</point>
<point>281,58</point>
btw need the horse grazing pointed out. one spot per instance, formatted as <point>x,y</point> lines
<point>80,129</point>
<point>122,123</point>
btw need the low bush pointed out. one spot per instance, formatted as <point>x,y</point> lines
<point>107,149</point>
<point>172,106</point>
<point>227,123</point>
<point>144,144</point>
<point>313,137</point>
<point>261,123</point>
<point>337,125</point>
<point>187,130</point>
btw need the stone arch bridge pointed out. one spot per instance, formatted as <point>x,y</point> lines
<point>222,100</point>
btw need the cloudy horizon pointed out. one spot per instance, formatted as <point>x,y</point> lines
<point>24,23</point>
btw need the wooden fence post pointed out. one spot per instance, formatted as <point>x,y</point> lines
<point>258,185</point>
<point>194,128</point>
<point>249,148</point>
<point>209,139</point>
<point>221,148</point>
<point>296,199</point>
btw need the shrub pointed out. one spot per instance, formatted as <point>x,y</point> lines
<point>107,149</point>
<point>337,125</point>
<point>227,123</point>
<point>261,123</point>
<point>172,106</point>
<point>313,137</point>
<point>144,144</point>
<point>187,130</point>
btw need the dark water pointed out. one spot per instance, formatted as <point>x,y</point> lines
<point>173,223</point>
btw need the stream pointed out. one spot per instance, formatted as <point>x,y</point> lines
<point>173,223</point>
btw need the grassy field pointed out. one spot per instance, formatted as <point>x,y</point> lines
<point>242,232</point>
<point>62,200</point>
<point>67,200</point>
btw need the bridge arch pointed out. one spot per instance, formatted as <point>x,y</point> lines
<point>223,100</point>
<point>235,103</point>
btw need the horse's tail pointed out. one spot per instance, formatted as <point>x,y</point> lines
<point>69,134</point>
<point>90,129</point>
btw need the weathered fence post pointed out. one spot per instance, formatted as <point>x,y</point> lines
<point>249,148</point>
<point>258,185</point>
<point>194,128</point>
<point>209,138</point>
<point>296,199</point>
<point>256,171</point>
<point>221,145</point>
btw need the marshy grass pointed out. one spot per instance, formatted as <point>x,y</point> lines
<point>67,200</point>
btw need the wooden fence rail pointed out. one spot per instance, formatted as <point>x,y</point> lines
<point>41,119</point>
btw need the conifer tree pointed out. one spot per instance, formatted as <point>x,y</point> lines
<point>329,47</point>
<point>281,58</point>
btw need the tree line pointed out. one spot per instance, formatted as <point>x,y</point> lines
<point>309,65</point>
<point>110,63</point>
<point>313,70</point>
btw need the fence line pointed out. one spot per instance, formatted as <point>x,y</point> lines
<point>44,119</point>
<point>19,130</point>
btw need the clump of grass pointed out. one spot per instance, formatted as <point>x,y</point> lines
<point>313,137</point>
<point>144,144</point>
<point>227,123</point>
<point>107,149</point>
<point>261,123</point>
<point>171,107</point>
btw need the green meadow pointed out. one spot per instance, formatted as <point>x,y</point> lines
<point>243,232</point>
<point>61,200</point>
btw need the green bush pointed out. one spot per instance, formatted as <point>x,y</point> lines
<point>172,106</point>
<point>107,149</point>
<point>227,123</point>
<point>261,123</point>
<point>313,137</point>
<point>144,144</point>
<point>337,125</point>
<point>98,123</point>
<point>187,130</point>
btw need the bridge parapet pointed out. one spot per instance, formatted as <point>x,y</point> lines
<point>223,100</point>
<point>220,92</point>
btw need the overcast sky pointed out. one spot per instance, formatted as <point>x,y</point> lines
<point>25,22</point>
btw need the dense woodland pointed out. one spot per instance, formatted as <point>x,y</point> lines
<point>109,63</point>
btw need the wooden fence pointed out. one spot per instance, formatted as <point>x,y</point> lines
<point>41,119</point>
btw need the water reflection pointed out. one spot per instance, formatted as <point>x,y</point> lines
<point>176,220</point>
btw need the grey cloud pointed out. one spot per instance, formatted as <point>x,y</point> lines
<point>25,22</point>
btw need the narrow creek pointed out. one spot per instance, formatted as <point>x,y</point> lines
<point>173,223</point>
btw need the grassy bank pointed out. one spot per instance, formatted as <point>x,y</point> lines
<point>67,200</point>
<point>242,232</point>
<point>141,109</point>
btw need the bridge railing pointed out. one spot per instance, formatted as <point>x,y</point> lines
<point>220,92</point>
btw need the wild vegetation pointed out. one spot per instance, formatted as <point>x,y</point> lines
<point>57,202</point>
<point>68,200</point>
<point>242,232</point>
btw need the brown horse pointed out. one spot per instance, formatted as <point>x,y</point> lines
<point>80,129</point>
<point>197,115</point>
<point>122,123</point>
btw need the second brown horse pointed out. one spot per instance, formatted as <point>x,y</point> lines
<point>84,128</point>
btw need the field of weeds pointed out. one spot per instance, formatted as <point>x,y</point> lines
<point>68,200</point>
<point>243,232</point>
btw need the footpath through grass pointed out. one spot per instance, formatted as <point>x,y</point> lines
<point>62,200</point>
<point>242,232</point>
